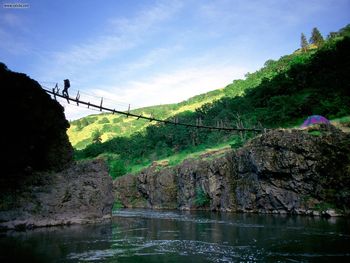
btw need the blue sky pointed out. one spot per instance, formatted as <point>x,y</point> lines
<point>150,52</point>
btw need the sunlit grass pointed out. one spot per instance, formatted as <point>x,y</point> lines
<point>199,152</point>
<point>345,119</point>
<point>128,126</point>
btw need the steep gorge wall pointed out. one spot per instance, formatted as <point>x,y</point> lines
<point>282,171</point>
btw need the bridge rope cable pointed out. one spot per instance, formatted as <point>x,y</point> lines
<point>87,95</point>
<point>94,97</point>
<point>101,108</point>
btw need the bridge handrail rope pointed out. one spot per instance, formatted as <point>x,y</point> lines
<point>86,94</point>
<point>100,107</point>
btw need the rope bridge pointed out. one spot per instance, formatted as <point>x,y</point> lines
<point>100,107</point>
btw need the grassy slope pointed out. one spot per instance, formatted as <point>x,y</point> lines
<point>111,126</point>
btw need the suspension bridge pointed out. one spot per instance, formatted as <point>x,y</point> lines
<point>93,106</point>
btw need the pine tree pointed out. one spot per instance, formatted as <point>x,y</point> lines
<point>303,43</point>
<point>316,37</point>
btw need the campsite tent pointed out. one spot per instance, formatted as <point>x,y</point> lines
<point>314,119</point>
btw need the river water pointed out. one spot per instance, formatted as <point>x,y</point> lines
<point>177,236</point>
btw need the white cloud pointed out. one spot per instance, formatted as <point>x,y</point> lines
<point>83,54</point>
<point>151,58</point>
<point>12,42</point>
<point>74,112</point>
<point>13,45</point>
<point>171,87</point>
<point>11,20</point>
<point>146,19</point>
<point>118,36</point>
<point>175,86</point>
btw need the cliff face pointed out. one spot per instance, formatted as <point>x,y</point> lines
<point>282,171</point>
<point>40,185</point>
<point>35,135</point>
<point>82,193</point>
<point>294,171</point>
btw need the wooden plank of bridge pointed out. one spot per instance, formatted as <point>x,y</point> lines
<point>77,98</point>
<point>54,94</point>
<point>101,104</point>
<point>127,115</point>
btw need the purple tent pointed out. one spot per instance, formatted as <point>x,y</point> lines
<point>314,119</point>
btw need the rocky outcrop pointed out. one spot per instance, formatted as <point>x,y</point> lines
<point>206,183</point>
<point>82,193</point>
<point>39,183</point>
<point>282,171</point>
<point>35,136</point>
<point>294,171</point>
<point>152,188</point>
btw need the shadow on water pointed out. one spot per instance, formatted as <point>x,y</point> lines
<point>173,236</point>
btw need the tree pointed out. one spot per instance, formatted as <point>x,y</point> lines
<point>117,168</point>
<point>332,35</point>
<point>316,37</point>
<point>303,43</point>
<point>96,136</point>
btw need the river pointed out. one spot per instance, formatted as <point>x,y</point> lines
<point>181,236</point>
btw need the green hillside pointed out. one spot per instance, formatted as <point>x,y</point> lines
<point>83,131</point>
<point>106,126</point>
<point>281,94</point>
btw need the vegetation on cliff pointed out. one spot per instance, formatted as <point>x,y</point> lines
<point>282,93</point>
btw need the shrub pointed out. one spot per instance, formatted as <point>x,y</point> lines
<point>103,120</point>
<point>117,168</point>
<point>202,198</point>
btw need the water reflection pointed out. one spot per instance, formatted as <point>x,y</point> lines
<point>172,236</point>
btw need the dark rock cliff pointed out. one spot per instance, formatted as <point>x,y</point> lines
<point>34,127</point>
<point>40,185</point>
<point>294,171</point>
<point>282,171</point>
<point>82,193</point>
